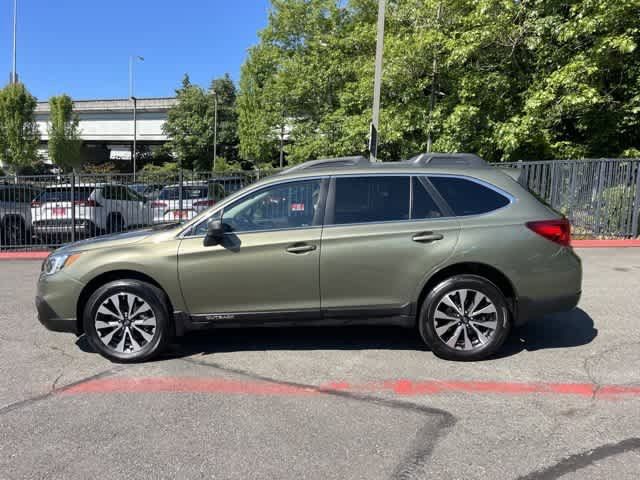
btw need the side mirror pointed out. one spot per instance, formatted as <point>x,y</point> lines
<point>215,233</point>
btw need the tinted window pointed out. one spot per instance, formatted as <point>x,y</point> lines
<point>188,193</point>
<point>423,204</point>
<point>371,199</point>
<point>64,194</point>
<point>466,197</point>
<point>289,205</point>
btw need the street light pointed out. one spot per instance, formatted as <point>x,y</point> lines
<point>215,127</point>
<point>14,73</point>
<point>377,85</point>
<point>132,59</point>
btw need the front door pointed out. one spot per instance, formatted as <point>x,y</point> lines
<point>268,262</point>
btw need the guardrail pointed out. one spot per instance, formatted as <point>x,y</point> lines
<point>600,197</point>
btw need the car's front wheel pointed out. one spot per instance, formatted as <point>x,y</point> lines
<point>464,317</point>
<point>127,320</point>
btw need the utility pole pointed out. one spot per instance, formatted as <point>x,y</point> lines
<point>282,143</point>
<point>377,84</point>
<point>432,97</point>
<point>14,73</point>
<point>132,97</point>
<point>215,128</point>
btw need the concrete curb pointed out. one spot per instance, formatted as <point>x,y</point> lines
<point>34,255</point>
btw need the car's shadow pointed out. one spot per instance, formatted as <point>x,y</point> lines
<point>563,330</point>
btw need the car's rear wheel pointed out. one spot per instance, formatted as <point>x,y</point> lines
<point>127,321</point>
<point>115,223</point>
<point>464,317</point>
<point>14,231</point>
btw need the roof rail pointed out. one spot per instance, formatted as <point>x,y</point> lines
<point>329,162</point>
<point>448,160</point>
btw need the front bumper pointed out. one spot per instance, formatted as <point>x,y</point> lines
<point>52,321</point>
<point>56,302</point>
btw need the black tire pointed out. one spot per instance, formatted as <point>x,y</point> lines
<point>154,298</point>
<point>427,322</point>
<point>115,223</point>
<point>14,231</point>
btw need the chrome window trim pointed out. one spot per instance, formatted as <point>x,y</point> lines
<point>507,195</point>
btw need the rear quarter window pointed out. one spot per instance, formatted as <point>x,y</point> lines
<point>466,197</point>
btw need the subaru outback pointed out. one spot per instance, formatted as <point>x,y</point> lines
<point>446,244</point>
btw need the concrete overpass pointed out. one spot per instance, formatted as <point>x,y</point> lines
<point>108,124</point>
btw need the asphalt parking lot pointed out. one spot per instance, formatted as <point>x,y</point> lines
<point>562,400</point>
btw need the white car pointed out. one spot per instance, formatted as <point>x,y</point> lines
<point>196,197</point>
<point>97,208</point>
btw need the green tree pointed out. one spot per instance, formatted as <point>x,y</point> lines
<point>528,79</point>
<point>189,127</point>
<point>19,137</point>
<point>65,146</point>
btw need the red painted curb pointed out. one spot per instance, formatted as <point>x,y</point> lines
<point>226,386</point>
<point>34,255</point>
<point>620,243</point>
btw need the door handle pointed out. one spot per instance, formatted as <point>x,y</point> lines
<point>301,248</point>
<point>426,237</point>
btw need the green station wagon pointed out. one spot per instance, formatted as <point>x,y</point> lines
<point>442,243</point>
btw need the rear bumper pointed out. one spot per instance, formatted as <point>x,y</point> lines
<point>52,321</point>
<point>63,226</point>
<point>533,308</point>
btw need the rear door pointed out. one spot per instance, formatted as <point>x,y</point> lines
<point>382,237</point>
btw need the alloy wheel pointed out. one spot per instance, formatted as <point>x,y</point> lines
<point>125,323</point>
<point>465,319</point>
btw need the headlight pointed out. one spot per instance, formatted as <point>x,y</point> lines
<point>57,261</point>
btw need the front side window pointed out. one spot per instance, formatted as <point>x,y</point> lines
<point>466,197</point>
<point>371,199</point>
<point>283,206</point>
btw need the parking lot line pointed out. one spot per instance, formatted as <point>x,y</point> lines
<point>401,387</point>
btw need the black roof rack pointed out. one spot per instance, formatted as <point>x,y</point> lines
<point>448,160</point>
<point>329,162</point>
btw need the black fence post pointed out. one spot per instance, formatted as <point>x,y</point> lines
<point>636,203</point>
<point>73,206</point>
<point>181,181</point>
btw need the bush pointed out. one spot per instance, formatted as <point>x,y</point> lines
<point>617,208</point>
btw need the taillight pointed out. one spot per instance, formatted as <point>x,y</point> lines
<point>179,214</point>
<point>86,203</point>
<point>558,231</point>
<point>204,203</point>
<point>158,205</point>
<point>35,204</point>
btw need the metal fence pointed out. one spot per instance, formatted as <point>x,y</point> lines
<point>600,197</point>
<point>48,211</point>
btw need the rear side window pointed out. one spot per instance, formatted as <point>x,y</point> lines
<point>466,197</point>
<point>371,199</point>
<point>423,204</point>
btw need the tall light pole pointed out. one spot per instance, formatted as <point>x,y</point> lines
<point>14,73</point>
<point>132,97</point>
<point>215,127</point>
<point>377,85</point>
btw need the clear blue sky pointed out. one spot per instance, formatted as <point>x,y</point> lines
<point>82,47</point>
